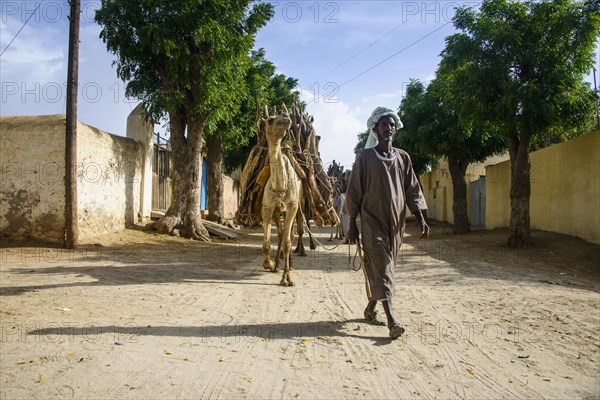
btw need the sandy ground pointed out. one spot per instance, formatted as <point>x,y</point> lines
<point>142,316</point>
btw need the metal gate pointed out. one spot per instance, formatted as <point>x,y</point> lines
<point>478,202</point>
<point>161,183</point>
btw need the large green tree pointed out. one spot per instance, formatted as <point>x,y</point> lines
<point>434,128</point>
<point>183,59</point>
<point>519,66</point>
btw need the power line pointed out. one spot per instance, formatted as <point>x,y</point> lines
<point>398,52</point>
<point>17,34</point>
<point>393,55</point>
<point>367,47</point>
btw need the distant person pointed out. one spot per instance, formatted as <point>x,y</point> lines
<point>381,186</point>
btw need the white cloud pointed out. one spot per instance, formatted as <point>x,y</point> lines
<point>384,96</point>
<point>33,54</point>
<point>338,125</point>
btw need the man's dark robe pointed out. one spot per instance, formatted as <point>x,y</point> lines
<point>379,191</point>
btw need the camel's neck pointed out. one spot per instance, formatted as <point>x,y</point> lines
<point>277,165</point>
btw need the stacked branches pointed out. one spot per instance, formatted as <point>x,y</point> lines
<point>301,146</point>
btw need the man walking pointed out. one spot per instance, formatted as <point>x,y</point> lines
<point>381,186</point>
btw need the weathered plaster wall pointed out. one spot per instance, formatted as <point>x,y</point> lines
<point>32,188</point>
<point>109,181</point>
<point>565,189</point>
<point>32,177</point>
<point>143,131</point>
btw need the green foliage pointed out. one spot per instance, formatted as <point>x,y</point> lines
<point>432,127</point>
<point>362,141</point>
<point>182,56</point>
<point>414,116</point>
<point>264,86</point>
<point>519,66</point>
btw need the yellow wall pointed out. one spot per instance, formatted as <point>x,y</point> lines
<point>565,189</point>
<point>497,195</point>
<point>438,191</point>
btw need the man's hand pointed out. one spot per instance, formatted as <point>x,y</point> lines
<point>421,216</point>
<point>352,231</point>
<point>424,231</point>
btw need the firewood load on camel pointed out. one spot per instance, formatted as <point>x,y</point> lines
<point>301,146</point>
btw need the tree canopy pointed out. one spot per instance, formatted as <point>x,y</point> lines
<point>182,53</point>
<point>434,130</point>
<point>265,88</point>
<point>183,59</point>
<point>521,64</point>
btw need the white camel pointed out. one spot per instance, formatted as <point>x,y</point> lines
<point>281,196</point>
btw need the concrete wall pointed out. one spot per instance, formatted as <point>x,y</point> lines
<point>32,190</point>
<point>114,178</point>
<point>497,195</point>
<point>109,179</point>
<point>231,189</point>
<point>565,189</point>
<point>32,186</point>
<point>438,190</point>
<point>143,131</point>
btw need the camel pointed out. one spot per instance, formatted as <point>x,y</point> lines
<point>281,196</point>
<point>336,174</point>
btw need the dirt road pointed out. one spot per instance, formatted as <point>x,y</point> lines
<point>142,316</point>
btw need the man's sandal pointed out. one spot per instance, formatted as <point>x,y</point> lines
<point>371,317</point>
<point>396,330</point>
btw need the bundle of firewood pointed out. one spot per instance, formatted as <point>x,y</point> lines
<point>301,146</point>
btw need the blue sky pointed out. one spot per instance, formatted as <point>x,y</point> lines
<point>349,57</point>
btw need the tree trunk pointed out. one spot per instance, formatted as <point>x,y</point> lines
<point>459,187</point>
<point>214,157</point>
<point>183,216</point>
<point>519,231</point>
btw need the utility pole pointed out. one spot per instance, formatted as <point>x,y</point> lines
<point>597,101</point>
<point>71,222</point>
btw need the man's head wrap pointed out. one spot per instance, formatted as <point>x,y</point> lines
<point>376,115</point>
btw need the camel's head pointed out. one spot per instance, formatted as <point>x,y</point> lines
<point>277,125</point>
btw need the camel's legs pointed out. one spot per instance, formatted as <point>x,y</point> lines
<point>300,227</point>
<point>288,235</point>
<point>267,214</point>
<point>279,225</point>
<point>312,244</point>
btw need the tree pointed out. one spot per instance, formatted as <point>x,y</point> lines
<point>361,141</point>
<point>435,130</point>
<point>519,67</point>
<point>218,137</point>
<point>181,58</point>
<point>264,89</point>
